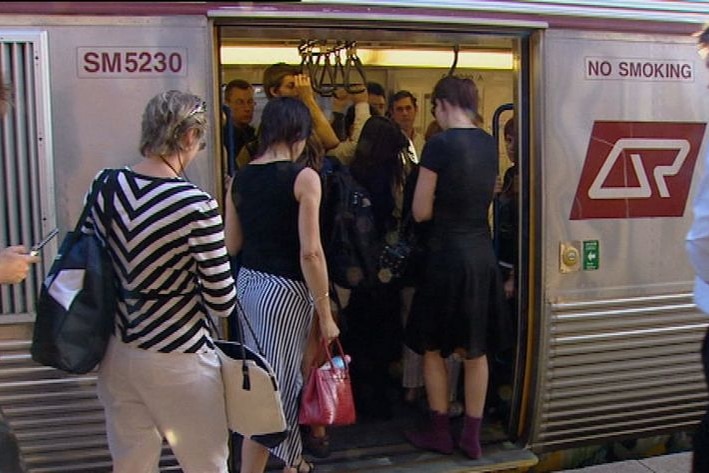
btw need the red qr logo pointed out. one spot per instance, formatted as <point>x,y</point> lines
<point>637,169</point>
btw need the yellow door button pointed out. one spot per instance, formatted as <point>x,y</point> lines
<point>570,256</point>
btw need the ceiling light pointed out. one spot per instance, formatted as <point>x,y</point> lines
<point>421,58</point>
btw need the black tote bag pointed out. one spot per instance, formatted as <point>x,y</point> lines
<point>77,300</point>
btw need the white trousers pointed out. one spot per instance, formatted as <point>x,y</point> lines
<point>149,396</point>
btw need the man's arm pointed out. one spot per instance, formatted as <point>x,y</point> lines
<point>345,151</point>
<point>321,126</point>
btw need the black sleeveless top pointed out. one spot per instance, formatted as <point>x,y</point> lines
<point>268,212</point>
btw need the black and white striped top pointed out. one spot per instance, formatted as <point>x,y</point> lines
<point>167,246</point>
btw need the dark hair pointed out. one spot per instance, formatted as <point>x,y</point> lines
<point>313,154</point>
<point>457,91</point>
<point>375,88</point>
<point>273,76</point>
<point>236,84</point>
<point>379,167</point>
<point>284,120</point>
<point>379,151</point>
<point>402,94</point>
<point>350,116</point>
<point>433,129</point>
<point>509,128</point>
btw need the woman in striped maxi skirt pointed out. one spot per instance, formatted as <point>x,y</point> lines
<point>272,218</point>
<point>280,311</point>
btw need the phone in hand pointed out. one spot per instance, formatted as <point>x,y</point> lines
<point>34,251</point>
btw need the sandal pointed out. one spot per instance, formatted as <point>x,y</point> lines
<point>317,446</point>
<point>303,466</point>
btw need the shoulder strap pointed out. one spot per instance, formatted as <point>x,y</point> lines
<point>95,189</point>
<point>240,315</point>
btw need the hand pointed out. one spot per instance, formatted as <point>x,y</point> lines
<point>340,100</point>
<point>227,183</point>
<point>15,264</point>
<point>328,328</point>
<point>304,87</point>
<point>361,96</point>
<point>509,287</point>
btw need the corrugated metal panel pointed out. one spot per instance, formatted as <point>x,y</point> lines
<point>56,417</point>
<point>620,367</point>
<point>18,175</point>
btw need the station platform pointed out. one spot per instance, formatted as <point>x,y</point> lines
<point>673,463</point>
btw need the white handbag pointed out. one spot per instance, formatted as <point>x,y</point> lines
<point>253,401</point>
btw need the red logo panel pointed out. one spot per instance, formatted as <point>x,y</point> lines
<point>637,169</point>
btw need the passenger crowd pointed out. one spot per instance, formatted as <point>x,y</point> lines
<point>182,259</point>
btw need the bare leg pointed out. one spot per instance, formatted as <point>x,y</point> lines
<point>476,378</point>
<point>437,436</point>
<point>435,376</point>
<point>254,457</point>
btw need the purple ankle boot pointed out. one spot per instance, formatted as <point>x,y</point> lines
<point>470,437</point>
<point>436,437</point>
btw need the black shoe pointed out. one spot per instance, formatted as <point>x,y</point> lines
<point>316,446</point>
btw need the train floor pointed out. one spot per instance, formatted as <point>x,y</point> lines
<point>378,445</point>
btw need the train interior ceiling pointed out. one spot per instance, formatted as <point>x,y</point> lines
<point>398,60</point>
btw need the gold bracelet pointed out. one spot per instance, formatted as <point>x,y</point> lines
<point>324,296</point>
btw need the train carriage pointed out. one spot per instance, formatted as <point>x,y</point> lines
<point>612,107</point>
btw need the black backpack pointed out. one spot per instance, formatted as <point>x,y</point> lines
<point>350,239</point>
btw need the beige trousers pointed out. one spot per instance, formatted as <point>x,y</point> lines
<point>149,396</point>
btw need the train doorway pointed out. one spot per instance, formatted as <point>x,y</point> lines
<point>406,57</point>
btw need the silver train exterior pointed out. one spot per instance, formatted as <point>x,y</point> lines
<point>613,111</point>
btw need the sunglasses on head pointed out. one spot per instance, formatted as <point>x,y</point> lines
<point>200,107</point>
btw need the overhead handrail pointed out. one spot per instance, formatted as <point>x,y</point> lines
<point>456,50</point>
<point>327,69</point>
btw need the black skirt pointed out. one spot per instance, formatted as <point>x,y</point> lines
<point>459,302</point>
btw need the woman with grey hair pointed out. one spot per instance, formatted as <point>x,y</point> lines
<point>160,377</point>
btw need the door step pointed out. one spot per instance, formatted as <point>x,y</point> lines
<point>498,457</point>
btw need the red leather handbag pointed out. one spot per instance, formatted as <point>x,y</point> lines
<point>327,395</point>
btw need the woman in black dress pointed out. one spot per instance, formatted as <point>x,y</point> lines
<point>461,292</point>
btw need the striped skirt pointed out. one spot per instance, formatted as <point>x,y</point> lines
<point>280,311</point>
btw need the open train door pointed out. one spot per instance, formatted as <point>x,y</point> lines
<point>403,49</point>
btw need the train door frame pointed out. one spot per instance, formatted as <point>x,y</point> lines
<point>526,37</point>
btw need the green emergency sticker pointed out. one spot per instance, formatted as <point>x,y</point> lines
<point>591,255</point>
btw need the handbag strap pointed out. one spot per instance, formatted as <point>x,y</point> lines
<point>328,352</point>
<point>105,177</point>
<point>240,314</point>
<point>407,229</point>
